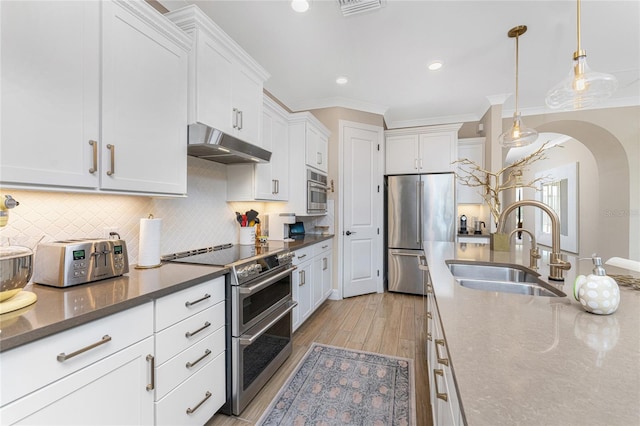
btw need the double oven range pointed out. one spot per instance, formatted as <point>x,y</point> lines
<point>259,314</point>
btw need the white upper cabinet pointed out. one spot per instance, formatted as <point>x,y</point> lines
<point>472,149</point>
<point>272,179</point>
<point>317,149</point>
<point>144,98</point>
<point>50,93</point>
<point>264,181</point>
<point>57,130</point>
<point>421,150</point>
<point>225,83</point>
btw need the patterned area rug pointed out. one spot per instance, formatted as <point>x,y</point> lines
<point>337,386</point>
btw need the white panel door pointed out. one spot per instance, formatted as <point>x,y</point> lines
<point>49,92</point>
<point>362,212</point>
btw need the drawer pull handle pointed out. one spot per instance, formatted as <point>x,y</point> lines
<point>152,365</point>
<point>429,317</point>
<point>441,360</point>
<point>189,304</point>
<point>193,410</point>
<point>193,364</point>
<point>302,257</point>
<point>62,357</point>
<point>190,333</point>
<point>94,144</point>
<point>441,395</point>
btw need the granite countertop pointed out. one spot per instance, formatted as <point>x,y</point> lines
<point>308,240</point>
<point>537,360</point>
<point>58,309</point>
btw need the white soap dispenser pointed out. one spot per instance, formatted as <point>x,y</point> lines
<point>597,292</point>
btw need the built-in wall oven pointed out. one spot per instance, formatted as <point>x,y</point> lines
<point>259,318</point>
<point>317,190</point>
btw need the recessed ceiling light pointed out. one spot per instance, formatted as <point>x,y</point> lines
<point>342,80</point>
<point>435,65</point>
<point>300,6</point>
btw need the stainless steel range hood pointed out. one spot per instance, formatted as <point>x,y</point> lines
<point>211,144</point>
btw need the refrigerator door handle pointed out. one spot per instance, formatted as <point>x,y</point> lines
<point>418,209</point>
<point>420,185</point>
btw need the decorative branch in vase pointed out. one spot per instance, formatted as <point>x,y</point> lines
<point>508,177</point>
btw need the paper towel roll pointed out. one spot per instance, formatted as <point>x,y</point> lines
<point>149,243</point>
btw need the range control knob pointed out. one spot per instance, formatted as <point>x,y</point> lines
<point>255,268</point>
<point>243,272</point>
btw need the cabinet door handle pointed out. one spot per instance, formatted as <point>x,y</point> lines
<point>234,120</point>
<point>194,363</point>
<point>112,149</point>
<point>193,333</point>
<point>62,357</point>
<point>193,410</point>
<point>324,247</point>
<point>415,163</point>
<point>443,396</point>
<point>240,120</point>
<point>420,162</point>
<point>324,263</point>
<point>152,366</point>
<point>277,186</point>
<point>441,360</point>
<point>429,317</point>
<point>303,278</point>
<point>205,297</point>
<point>319,159</point>
<point>94,144</point>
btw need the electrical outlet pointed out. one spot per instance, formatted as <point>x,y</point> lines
<point>107,230</point>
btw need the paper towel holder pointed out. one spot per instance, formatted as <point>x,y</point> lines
<point>150,216</point>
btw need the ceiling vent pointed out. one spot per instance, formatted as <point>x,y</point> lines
<point>352,7</point>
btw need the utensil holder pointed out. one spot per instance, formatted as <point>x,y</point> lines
<point>247,235</point>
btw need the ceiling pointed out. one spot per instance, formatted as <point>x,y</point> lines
<point>385,53</point>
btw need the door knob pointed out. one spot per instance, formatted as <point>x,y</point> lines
<point>349,232</point>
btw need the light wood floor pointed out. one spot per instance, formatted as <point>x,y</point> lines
<point>386,323</point>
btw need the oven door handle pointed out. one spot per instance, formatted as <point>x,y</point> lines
<point>248,339</point>
<point>257,287</point>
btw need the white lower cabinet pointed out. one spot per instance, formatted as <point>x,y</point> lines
<point>190,354</point>
<point>445,405</point>
<point>302,285</point>
<point>312,280</point>
<point>67,379</point>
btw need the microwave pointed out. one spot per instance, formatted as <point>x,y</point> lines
<point>317,190</point>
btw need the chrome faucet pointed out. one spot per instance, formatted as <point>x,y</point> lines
<point>557,264</point>
<point>534,253</point>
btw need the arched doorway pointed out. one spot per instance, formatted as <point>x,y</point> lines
<point>612,225</point>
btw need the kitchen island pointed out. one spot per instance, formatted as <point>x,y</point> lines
<point>520,359</point>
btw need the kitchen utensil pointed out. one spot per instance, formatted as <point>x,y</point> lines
<point>239,218</point>
<point>16,268</point>
<point>251,215</point>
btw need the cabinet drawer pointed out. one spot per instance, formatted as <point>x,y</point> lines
<point>302,255</point>
<point>180,336</point>
<point>192,395</point>
<point>180,367</point>
<point>322,247</point>
<point>32,366</point>
<point>178,306</point>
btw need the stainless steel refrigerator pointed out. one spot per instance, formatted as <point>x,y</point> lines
<point>419,208</point>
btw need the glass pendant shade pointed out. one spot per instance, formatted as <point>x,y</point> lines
<point>518,135</point>
<point>582,88</point>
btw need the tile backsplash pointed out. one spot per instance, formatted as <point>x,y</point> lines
<point>202,219</point>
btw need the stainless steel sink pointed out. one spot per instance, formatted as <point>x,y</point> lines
<point>501,277</point>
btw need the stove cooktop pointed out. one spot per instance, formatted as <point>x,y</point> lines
<point>223,255</point>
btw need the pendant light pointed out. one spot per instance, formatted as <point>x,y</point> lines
<point>517,135</point>
<point>582,87</point>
